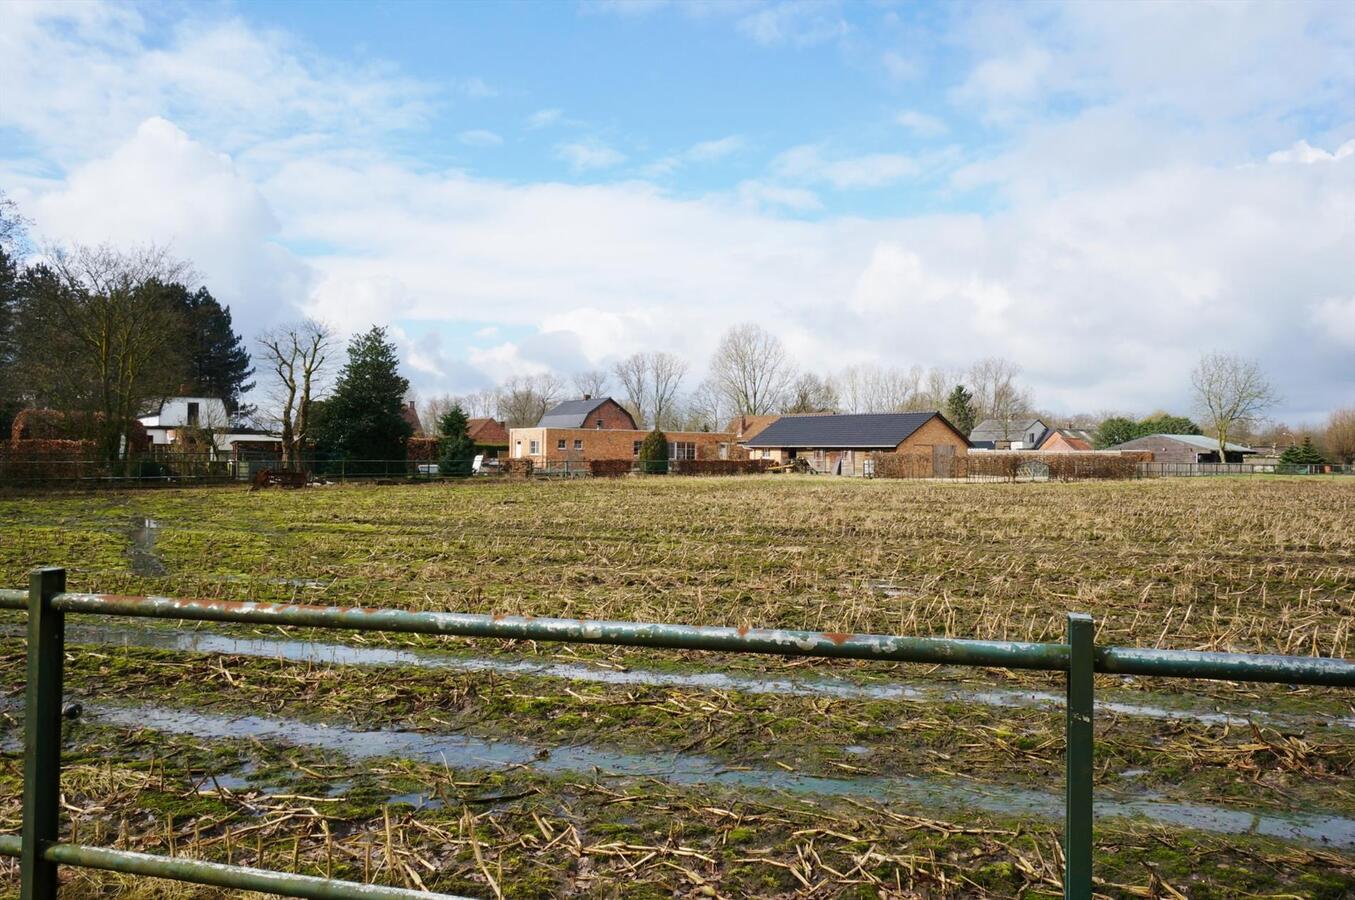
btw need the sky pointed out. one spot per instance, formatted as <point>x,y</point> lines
<point>1097,191</point>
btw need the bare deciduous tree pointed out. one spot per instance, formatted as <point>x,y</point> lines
<point>751,370</point>
<point>298,360</point>
<point>633,373</point>
<point>706,409</point>
<point>524,399</point>
<point>592,383</point>
<point>872,389</point>
<point>101,336</point>
<point>1339,438</point>
<point>811,394</point>
<point>1230,394</point>
<point>666,372</point>
<point>997,394</point>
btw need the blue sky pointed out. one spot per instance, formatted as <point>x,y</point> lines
<point>1099,192</point>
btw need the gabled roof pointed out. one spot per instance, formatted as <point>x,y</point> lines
<point>482,429</point>
<point>864,431</point>
<point>572,413</point>
<point>1076,438</point>
<point>745,428</point>
<point>992,430</point>
<point>1198,441</point>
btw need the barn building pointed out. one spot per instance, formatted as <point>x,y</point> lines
<point>842,445</point>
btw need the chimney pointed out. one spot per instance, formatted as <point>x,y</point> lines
<point>411,406</point>
<point>588,396</point>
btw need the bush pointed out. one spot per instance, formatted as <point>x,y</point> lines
<point>1055,466</point>
<point>719,466</point>
<point>653,455</point>
<point>610,468</point>
<point>422,449</point>
<point>48,460</point>
<point>913,464</point>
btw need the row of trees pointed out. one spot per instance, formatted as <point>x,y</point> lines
<point>98,333</point>
<point>751,373</point>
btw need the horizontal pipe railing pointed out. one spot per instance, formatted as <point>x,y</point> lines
<point>47,602</point>
<point>1257,667</point>
<point>199,871</point>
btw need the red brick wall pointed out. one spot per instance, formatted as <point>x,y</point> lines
<point>604,443</point>
<point>613,415</point>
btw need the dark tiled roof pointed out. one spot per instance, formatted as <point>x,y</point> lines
<point>571,413</point>
<point>876,430</point>
<point>992,430</point>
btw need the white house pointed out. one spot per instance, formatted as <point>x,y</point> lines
<point>205,415</point>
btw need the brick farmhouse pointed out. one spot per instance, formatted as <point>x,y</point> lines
<point>842,445</point>
<point>589,428</point>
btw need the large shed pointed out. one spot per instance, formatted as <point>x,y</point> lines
<point>1186,448</point>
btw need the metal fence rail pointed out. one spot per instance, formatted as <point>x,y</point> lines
<point>47,602</point>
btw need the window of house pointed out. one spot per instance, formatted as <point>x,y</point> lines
<point>535,447</point>
<point>635,449</point>
<point>578,443</point>
<point>681,450</point>
<point>560,444</point>
<point>599,423</point>
<point>193,414</point>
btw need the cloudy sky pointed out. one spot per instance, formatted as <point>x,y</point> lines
<point>1098,191</point>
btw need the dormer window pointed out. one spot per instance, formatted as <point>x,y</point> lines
<point>599,423</point>
<point>192,415</point>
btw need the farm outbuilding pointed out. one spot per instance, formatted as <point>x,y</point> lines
<point>1186,448</point>
<point>842,445</point>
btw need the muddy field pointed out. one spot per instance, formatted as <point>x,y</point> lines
<point>536,770</point>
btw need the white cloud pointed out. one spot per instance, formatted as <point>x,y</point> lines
<point>900,67</point>
<point>479,137</point>
<point>703,152</point>
<point>544,118</point>
<point>758,194</point>
<point>1335,317</point>
<point>79,77</point>
<point>921,124</point>
<point>800,23</point>
<point>1303,152</point>
<point>162,187</point>
<point>807,163</point>
<point>589,154</point>
<point>706,151</point>
<point>475,88</point>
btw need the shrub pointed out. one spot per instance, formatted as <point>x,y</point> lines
<point>719,466</point>
<point>610,468</point>
<point>47,460</point>
<point>913,464</point>
<point>653,455</point>
<point>422,449</point>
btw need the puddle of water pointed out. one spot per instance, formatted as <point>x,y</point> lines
<point>342,654</point>
<point>465,751</point>
<point>145,561</point>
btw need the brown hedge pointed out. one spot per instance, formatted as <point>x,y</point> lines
<point>610,468</point>
<point>719,466</point>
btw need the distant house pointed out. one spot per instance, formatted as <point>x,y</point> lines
<point>588,412</point>
<point>841,445</point>
<point>1018,434</point>
<point>589,428</point>
<point>1186,448</point>
<point>181,420</point>
<point>485,432</point>
<point>745,428</point>
<point>410,413</point>
<point>1067,440</point>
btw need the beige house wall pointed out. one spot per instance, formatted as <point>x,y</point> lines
<point>583,444</point>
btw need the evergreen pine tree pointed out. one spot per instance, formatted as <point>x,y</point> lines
<point>960,410</point>
<point>653,454</point>
<point>1305,454</point>
<point>218,363</point>
<point>363,419</point>
<point>458,450</point>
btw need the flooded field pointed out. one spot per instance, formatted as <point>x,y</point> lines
<point>507,769</point>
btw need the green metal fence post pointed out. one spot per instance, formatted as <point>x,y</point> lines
<point>42,733</point>
<point>1077,828</point>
